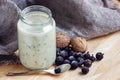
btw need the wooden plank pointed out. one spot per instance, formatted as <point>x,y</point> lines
<point>107,69</point>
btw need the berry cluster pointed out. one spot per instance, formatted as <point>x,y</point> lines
<point>76,59</point>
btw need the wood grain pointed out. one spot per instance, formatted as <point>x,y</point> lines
<point>107,69</point>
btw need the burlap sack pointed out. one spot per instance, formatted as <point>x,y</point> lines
<point>86,18</point>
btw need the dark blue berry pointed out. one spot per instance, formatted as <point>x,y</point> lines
<point>99,56</point>
<point>85,70</point>
<point>79,59</point>
<point>74,65</point>
<point>79,54</point>
<point>59,60</point>
<point>64,54</point>
<point>92,58</point>
<point>71,53</point>
<point>66,61</point>
<point>58,50</point>
<point>87,55</point>
<point>57,70</point>
<point>68,49</point>
<point>87,63</point>
<point>71,58</point>
<point>80,62</point>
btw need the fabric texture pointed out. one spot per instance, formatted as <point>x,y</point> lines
<point>9,14</point>
<point>86,18</point>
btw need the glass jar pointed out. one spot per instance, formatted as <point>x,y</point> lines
<point>36,37</point>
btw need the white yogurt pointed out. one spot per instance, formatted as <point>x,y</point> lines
<point>37,42</point>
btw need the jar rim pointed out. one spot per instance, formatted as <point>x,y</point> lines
<point>36,8</point>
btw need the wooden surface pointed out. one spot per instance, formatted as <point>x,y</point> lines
<point>107,69</point>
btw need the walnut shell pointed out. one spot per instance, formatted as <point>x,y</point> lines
<point>79,44</point>
<point>62,40</point>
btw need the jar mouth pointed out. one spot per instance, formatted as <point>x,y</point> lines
<point>36,8</point>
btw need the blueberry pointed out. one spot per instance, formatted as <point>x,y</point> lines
<point>79,59</point>
<point>85,70</point>
<point>80,62</point>
<point>71,58</point>
<point>87,63</point>
<point>68,49</point>
<point>74,65</point>
<point>64,54</point>
<point>92,58</point>
<point>59,60</point>
<point>66,61</point>
<point>71,53</point>
<point>78,55</point>
<point>57,54</point>
<point>58,50</point>
<point>99,56</point>
<point>57,70</point>
<point>87,55</point>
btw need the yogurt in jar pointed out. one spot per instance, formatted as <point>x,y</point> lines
<point>37,39</point>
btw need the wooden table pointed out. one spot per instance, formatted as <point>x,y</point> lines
<point>107,69</point>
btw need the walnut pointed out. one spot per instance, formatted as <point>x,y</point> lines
<point>79,44</point>
<point>62,40</point>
